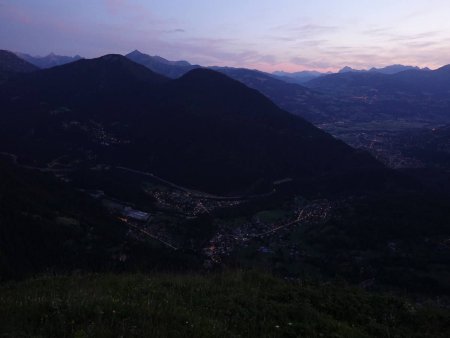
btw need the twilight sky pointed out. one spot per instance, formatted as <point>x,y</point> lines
<point>288,35</point>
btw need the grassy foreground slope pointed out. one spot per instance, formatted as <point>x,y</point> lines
<point>233,304</point>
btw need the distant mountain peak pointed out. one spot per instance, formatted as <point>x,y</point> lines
<point>135,52</point>
<point>113,57</point>
<point>348,69</point>
<point>158,64</point>
<point>48,61</point>
<point>391,69</point>
<point>106,74</point>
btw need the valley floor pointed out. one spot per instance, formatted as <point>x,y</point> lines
<point>230,304</point>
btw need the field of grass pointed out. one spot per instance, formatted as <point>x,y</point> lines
<point>233,304</point>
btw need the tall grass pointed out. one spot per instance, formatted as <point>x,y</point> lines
<point>231,304</point>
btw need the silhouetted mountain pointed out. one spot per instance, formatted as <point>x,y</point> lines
<point>203,130</point>
<point>337,104</point>
<point>412,95</point>
<point>410,82</point>
<point>298,77</point>
<point>286,93</point>
<point>295,98</point>
<point>171,69</point>
<point>348,69</point>
<point>51,60</point>
<point>10,64</point>
<point>90,80</point>
<point>354,97</point>
<point>393,69</point>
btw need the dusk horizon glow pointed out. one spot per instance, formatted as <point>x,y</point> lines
<point>288,35</point>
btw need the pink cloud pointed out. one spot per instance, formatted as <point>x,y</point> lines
<point>16,14</point>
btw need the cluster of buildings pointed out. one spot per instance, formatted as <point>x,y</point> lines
<point>229,238</point>
<point>187,204</point>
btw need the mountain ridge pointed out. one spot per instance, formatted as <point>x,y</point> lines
<point>48,61</point>
<point>391,69</point>
<point>412,81</point>
<point>11,65</point>
<point>226,134</point>
<point>171,69</point>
